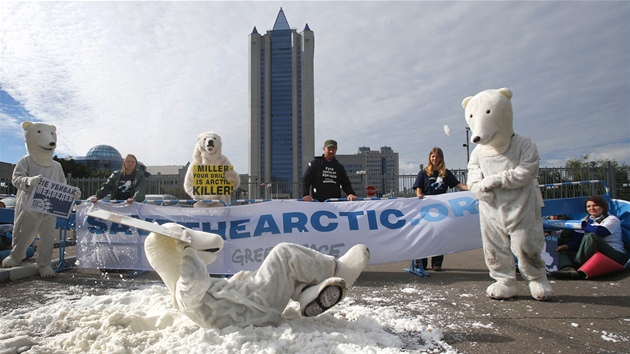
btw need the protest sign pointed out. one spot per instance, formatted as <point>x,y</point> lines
<point>52,197</point>
<point>210,180</point>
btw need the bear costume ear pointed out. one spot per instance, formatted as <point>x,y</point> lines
<point>25,125</point>
<point>505,92</point>
<point>465,101</point>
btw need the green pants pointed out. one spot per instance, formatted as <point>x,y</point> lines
<point>590,244</point>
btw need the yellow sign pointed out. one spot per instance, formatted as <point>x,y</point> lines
<point>210,180</point>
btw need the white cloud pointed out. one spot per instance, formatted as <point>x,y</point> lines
<point>148,77</point>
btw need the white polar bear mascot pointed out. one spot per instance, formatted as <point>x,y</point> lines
<point>41,141</point>
<point>208,152</point>
<point>502,174</point>
<point>290,271</point>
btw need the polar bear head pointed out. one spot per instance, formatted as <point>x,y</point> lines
<point>41,142</point>
<point>207,149</point>
<point>489,116</point>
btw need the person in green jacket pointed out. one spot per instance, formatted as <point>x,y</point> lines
<point>124,184</point>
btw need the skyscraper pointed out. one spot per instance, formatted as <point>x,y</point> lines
<point>281,107</point>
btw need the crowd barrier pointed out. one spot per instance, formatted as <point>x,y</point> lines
<point>395,229</point>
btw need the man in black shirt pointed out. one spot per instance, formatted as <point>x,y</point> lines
<point>326,176</point>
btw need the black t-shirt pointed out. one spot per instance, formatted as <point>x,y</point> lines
<point>432,185</point>
<point>124,189</point>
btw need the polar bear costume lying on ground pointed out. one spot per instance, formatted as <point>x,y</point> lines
<point>290,271</point>
<point>208,152</point>
<point>502,174</point>
<point>41,142</point>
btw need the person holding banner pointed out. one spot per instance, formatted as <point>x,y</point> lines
<point>432,180</point>
<point>125,184</point>
<point>326,176</point>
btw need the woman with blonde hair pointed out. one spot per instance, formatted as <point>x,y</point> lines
<point>432,180</point>
<point>125,184</point>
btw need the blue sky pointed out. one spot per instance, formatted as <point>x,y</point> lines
<point>148,77</point>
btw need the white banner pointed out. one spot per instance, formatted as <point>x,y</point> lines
<point>394,229</point>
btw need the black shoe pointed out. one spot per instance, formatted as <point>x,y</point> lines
<point>568,273</point>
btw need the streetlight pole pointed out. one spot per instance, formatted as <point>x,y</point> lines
<point>467,145</point>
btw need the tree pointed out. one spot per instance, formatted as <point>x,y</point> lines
<point>617,176</point>
<point>76,169</point>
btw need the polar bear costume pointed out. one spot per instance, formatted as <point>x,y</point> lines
<point>41,141</point>
<point>502,174</point>
<point>208,152</point>
<point>290,271</point>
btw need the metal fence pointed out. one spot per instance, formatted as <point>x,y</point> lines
<point>617,180</point>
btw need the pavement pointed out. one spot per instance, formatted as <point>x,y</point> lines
<point>585,316</point>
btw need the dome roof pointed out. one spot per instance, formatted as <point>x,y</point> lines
<point>104,151</point>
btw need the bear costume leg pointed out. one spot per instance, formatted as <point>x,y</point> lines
<point>46,246</point>
<point>528,246</point>
<point>27,226</point>
<point>499,248</point>
<point>258,298</point>
<point>499,259</point>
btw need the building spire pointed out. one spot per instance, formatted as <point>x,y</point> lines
<point>281,22</point>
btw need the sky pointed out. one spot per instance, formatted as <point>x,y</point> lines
<point>148,77</point>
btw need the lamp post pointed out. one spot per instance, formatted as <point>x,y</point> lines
<point>467,145</point>
<point>361,173</point>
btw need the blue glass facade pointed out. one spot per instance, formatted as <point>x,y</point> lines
<point>281,133</point>
<point>281,106</point>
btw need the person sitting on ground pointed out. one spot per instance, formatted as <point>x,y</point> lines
<point>601,232</point>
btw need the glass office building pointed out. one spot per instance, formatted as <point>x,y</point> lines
<point>281,107</point>
<point>104,158</point>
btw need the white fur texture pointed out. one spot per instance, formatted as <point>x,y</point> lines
<point>502,174</point>
<point>248,298</point>
<point>41,141</point>
<point>208,151</point>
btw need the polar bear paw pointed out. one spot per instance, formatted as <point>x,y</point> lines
<point>501,291</point>
<point>47,272</point>
<point>540,289</point>
<point>351,264</point>
<point>10,261</point>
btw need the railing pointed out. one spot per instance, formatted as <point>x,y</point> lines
<point>616,179</point>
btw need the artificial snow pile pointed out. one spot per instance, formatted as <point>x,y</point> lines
<point>143,321</point>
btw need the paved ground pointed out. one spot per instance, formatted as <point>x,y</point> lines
<point>589,316</point>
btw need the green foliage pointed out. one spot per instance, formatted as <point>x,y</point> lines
<point>584,162</point>
<point>608,170</point>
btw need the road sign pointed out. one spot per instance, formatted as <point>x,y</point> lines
<point>370,191</point>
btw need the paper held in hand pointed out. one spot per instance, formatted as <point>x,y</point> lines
<point>138,224</point>
<point>52,197</point>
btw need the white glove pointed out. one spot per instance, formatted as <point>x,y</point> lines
<point>485,196</point>
<point>34,181</point>
<point>490,182</point>
<point>232,176</point>
<point>77,194</point>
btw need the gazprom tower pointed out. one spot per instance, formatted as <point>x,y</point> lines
<point>281,109</point>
